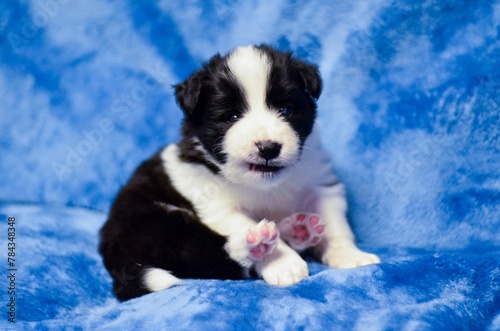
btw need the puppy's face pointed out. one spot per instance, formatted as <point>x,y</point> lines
<point>249,113</point>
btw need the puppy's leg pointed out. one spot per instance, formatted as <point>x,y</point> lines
<point>278,265</point>
<point>338,248</point>
<point>283,267</point>
<point>302,230</point>
<point>262,239</point>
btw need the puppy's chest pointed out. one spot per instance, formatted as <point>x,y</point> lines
<point>276,207</point>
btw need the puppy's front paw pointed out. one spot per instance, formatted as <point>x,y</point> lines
<point>302,230</point>
<point>282,268</point>
<point>348,257</point>
<point>262,239</point>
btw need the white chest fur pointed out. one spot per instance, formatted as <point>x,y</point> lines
<point>213,195</point>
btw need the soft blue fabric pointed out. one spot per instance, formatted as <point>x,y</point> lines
<point>410,114</point>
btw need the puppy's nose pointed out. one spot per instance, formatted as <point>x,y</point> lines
<point>268,149</point>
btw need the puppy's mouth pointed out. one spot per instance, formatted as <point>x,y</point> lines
<point>264,168</point>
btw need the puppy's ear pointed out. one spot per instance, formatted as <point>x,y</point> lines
<point>188,92</point>
<point>310,76</point>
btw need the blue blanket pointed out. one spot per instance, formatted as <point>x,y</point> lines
<point>410,114</point>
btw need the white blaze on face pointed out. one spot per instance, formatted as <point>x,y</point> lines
<point>251,68</point>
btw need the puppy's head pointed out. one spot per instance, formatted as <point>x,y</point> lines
<point>248,114</point>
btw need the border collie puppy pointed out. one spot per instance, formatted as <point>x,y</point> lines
<point>246,188</point>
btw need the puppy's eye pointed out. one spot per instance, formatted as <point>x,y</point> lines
<point>233,118</point>
<point>285,111</point>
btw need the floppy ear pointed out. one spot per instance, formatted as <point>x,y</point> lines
<point>188,92</point>
<point>310,76</point>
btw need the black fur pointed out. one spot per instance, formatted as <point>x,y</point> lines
<point>212,95</point>
<point>209,98</point>
<point>293,83</point>
<point>191,153</point>
<point>143,230</point>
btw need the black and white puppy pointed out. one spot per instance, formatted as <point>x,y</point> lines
<point>247,186</point>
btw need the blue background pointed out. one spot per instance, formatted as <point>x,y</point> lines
<point>409,114</point>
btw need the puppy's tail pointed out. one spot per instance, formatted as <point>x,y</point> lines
<point>156,279</point>
<point>135,281</point>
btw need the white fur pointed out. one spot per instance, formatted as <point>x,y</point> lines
<point>283,267</point>
<point>233,203</point>
<point>337,249</point>
<point>251,69</point>
<point>199,147</point>
<point>156,279</point>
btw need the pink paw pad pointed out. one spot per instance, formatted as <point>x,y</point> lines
<point>262,239</point>
<point>302,230</point>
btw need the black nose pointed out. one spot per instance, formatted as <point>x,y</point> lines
<point>268,149</point>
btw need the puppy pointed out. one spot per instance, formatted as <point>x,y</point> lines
<point>246,188</point>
